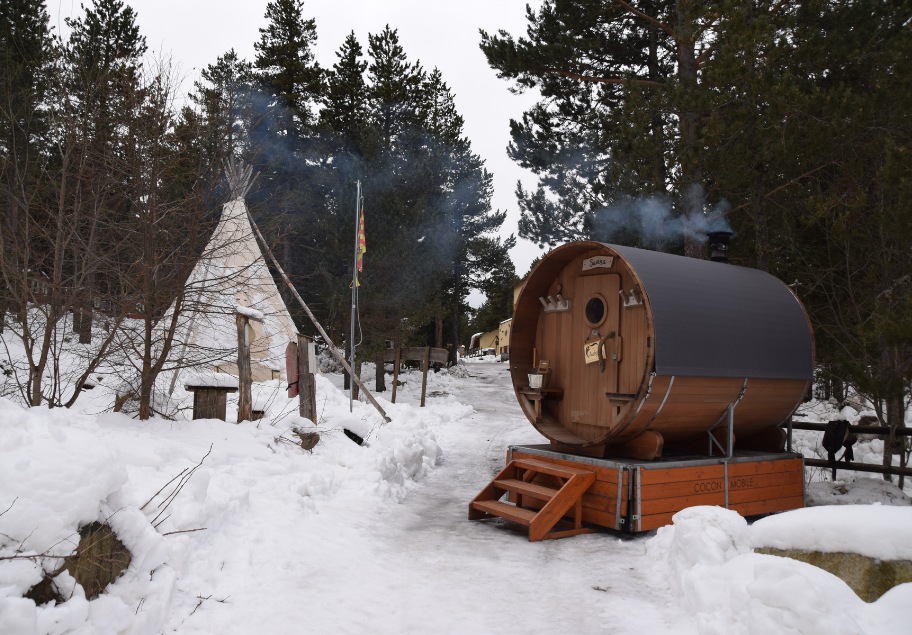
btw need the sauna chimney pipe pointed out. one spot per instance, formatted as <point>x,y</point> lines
<point>718,245</point>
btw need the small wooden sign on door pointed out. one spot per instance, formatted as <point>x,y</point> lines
<point>598,262</point>
<point>590,352</point>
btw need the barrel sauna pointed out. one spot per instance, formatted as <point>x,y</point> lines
<point>648,351</point>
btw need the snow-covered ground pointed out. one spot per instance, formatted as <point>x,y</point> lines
<point>367,539</point>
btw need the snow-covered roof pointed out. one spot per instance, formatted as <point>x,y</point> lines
<point>211,380</point>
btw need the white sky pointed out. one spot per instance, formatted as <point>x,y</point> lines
<point>441,34</point>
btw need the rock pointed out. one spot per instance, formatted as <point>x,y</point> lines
<point>309,440</point>
<point>869,578</point>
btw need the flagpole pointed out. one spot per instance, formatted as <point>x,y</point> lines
<point>351,384</point>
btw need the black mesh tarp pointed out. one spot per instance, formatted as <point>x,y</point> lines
<point>719,320</point>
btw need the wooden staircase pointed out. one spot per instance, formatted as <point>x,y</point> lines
<point>517,478</point>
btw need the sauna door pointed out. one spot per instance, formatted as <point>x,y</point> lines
<point>596,313</point>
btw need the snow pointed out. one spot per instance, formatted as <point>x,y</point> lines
<point>372,538</point>
<point>859,492</point>
<point>210,380</point>
<point>882,532</point>
<point>249,312</point>
<point>704,560</point>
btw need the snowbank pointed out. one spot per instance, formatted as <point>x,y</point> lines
<point>259,496</point>
<point>882,532</point>
<point>704,559</point>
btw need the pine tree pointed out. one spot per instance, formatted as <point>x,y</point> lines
<point>224,99</point>
<point>286,68</point>
<point>104,58</point>
<point>621,94</point>
<point>346,108</point>
<point>26,51</point>
<point>396,86</point>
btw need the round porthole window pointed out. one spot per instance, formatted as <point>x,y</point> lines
<point>596,310</point>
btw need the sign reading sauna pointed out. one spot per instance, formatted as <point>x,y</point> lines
<point>668,379</point>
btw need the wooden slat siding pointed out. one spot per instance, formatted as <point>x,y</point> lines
<point>611,378</point>
<point>677,503</point>
<point>687,488</point>
<point>769,506</point>
<point>678,474</point>
<point>764,467</point>
<point>753,494</point>
<point>655,521</point>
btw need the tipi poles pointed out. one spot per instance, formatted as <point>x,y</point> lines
<point>351,392</point>
<point>332,347</point>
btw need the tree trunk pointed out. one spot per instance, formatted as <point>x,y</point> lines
<point>761,230</point>
<point>454,351</point>
<point>354,385</point>
<point>438,332</point>
<point>691,172</point>
<point>894,443</point>
<point>380,379</point>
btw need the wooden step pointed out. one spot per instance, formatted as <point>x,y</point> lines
<point>550,468</point>
<point>505,510</point>
<point>534,490</point>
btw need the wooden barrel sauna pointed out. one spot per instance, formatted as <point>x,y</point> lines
<point>647,351</point>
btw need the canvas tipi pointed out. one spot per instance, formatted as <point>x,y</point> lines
<point>231,274</point>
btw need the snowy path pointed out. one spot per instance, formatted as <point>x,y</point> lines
<point>425,568</point>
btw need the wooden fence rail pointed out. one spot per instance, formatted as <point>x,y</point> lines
<point>844,465</point>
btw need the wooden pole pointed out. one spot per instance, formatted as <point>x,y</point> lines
<point>307,404</point>
<point>424,366</point>
<point>396,372</point>
<point>332,347</point>
<point>245,379</point>
<point>380,377</point>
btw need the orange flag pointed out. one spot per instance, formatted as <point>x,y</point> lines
<point>362,246</point>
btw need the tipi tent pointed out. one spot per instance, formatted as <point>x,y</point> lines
<point>230,275</point>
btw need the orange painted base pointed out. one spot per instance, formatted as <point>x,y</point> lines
<point>652,492</point>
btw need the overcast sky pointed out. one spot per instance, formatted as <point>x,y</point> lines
<point>441,34</point>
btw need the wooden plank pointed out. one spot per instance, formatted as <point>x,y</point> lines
<point>677,474</point>
<point>565,498</point>
<point>549,468</point>
<point>529,489</point>
<point>654,521</point>
<point>677,503</point>
<point>764,467</point>
<point>602,474</point>
<point>245,377</point>
<point>505,510</point>
<point>593,516</point>
<point>765,493</point>
<point>307,388</point>
<point>769,506</point>
<point>735,483</point>
<point>417,354</point>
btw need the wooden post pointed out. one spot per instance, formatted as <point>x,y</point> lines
<point>424,369</point>
<point>307,404</point>
<point>245,379</point>
<point>396,372</point>
<point>380,379</point>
